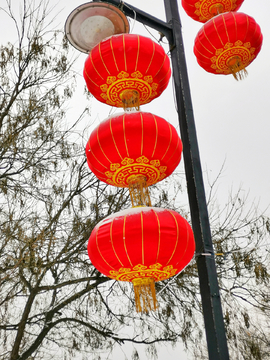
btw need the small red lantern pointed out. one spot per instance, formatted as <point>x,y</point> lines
<point>142,245</point>
<point>127,70</point>
<point>228,43</point>
<point>133,144</point>
<point>203,10</point>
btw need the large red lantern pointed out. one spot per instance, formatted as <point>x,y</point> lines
<point>142,245</point>
<point>133,144</point>
<point>228,43</point>
<point>127,70</point>
<point>203,10</point>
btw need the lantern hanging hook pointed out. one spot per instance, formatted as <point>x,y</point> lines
<point>121,7</point>
<point>122,4</point>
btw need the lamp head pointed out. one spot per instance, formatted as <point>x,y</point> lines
<point>90,23</point>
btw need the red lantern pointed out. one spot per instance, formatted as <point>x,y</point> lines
<point>127,70</point>
<point>203,10</point>
<point>132,145</point>
<point>228,43</point>
<point>142,245</point>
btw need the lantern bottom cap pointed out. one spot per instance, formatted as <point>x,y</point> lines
<point>130,99</point>
<point>237,68</point>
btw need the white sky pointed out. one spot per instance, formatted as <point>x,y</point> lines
<point>232,118</point>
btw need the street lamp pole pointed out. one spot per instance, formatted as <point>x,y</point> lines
<point>211,303</point>
<point>213,318</point>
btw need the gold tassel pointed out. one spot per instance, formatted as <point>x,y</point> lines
<point>145,294</point>
<point>130,99</point>
<point>237,69</point>
<point>138,190</point>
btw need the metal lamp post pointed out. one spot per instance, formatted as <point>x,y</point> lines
<point>212,311</point>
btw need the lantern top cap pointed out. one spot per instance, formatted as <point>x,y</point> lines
<point>90,23</point>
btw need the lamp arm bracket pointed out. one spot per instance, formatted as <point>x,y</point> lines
<point>144,18</point>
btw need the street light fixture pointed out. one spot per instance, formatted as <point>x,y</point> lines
<point>209,288</point>
<point>90,23</point>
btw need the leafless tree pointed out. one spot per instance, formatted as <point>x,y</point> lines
<point>53,302</point>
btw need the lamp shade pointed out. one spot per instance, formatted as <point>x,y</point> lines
<point>92,22</point>
<point>126,66</point>
<point>133,144</point>
<point>228,43</point>
<point>203,10</point>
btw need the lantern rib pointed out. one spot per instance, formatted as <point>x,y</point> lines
<point>261,37</point>
<point>114,139</point>
<point>92,62</point>
<point>255,31</point>
<point>124,238</point>
<point>211,52</point>
<point>100,173</point>
<point>113,55</point>
<point>165,77</point>
<point>236,27</point>
<point>111,238</point>
<point>176,163</point>
<point>226,29</point>
<point>124,129</point>
<point>100,253</point>
<point>155,146</point>
<point>138,51</point>
<point>247,21</point>
<point>165,57</point>
<point>142,239</point>
<point>177,145</point>
<point>101,147</point>
<point>217,31</point>
<point>169,142</point>
<point>101,58</point>
<point>158,236</point>
<point>187,243</point>
<point>124,46</point>
<point>90,78</point>
<point>154,50</point>
<point>177,238</point>
<point>142,134</point>
<point>197,51</point>
<point>92,153</point>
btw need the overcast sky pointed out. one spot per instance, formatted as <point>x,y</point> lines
<point>232,118</point>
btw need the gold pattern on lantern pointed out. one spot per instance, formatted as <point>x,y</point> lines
<point>155,271</point>
<point>206,9</point>
<point>140,90</point>
<point>137,75</point>
<point>233,58</point>
<point>119,174</point>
